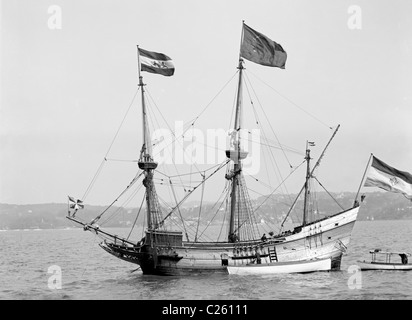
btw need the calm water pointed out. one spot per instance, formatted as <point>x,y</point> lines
<point>88,272</point>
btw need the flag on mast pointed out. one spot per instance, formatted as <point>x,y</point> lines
<point>155,62</point>
<point>258,48</point>
<point>388,178</point>
<point>75,204</point>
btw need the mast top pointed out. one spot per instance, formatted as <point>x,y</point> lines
<point>146,161</point>
<point>240,66</point>
<point>240,47</point>
<point>141,84</point>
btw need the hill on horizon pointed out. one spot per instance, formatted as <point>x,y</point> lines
<point>376,206</point>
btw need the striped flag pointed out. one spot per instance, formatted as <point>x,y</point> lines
<point>156,63</point>
<point>390,179</point>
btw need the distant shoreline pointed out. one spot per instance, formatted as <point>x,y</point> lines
<point>377,206</point>
<point>126,228</point>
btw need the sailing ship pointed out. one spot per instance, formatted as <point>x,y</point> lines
<point>166,250</point>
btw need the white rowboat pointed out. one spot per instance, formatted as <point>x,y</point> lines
<point>375,264</point>
<point>304,266</point>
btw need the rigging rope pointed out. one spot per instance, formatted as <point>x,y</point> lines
<point>200,207</point>
<point>290,101</point>
<point>190,192</point>
<point>271,155</point>
<point>279,185</point>
<point>178,209</point>
<point>127,188</point>
<point>261,182</point>
<point>267,119</point>
<point>280,147</point>
<point>108,150</point>
<point>121,124</point>
<point>167,124</point>
<point>186,174</point>
<point>126,202</point>
<point>137,216</point>
<point>207,106</point>
<point>224,192</point>
<point>261,216</point>
<point>193,120</point>
<point>86,193</point>
<point>328,192</point>
<point>121,160</point>
<point>187,229</point>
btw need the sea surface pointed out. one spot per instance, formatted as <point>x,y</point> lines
<point>69,264</point>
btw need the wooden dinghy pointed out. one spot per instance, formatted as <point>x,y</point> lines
<point>383,260</point>
<point>304,266</point>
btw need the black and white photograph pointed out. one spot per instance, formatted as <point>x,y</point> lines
<point>205,155</point>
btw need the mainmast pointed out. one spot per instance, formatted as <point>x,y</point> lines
<point>236,154</point>
<point>147,164</point>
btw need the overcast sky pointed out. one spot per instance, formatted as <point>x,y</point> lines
<point>66,87</point>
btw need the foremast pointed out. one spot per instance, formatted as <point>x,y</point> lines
<point>147,164</point>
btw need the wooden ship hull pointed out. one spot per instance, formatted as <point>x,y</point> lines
<point>327,238</point>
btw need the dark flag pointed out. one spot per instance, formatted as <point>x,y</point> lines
<point>156,63</point>
<point>258,48</point>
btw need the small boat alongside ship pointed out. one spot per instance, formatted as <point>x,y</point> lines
<point>305,266</point>
<point>384,260</point>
